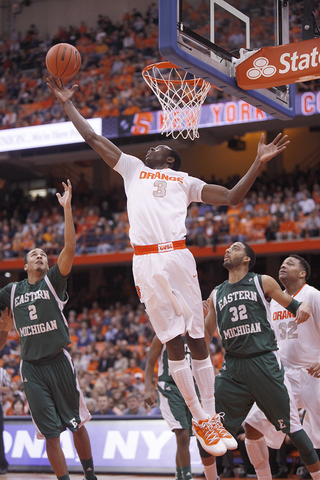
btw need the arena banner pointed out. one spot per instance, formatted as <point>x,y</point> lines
<point>146,123</point>
<point>119,445</point>
<point>48,135</point>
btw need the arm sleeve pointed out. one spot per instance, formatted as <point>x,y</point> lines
<point>196,186</point>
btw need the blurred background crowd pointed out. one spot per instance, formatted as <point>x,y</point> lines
<point>113,56</point>
<point>286,208</point>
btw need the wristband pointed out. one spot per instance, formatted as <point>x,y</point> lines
<point>293,306</point>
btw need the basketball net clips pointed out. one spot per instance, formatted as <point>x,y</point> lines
<point>181,96</point>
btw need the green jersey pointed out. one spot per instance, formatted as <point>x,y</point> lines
<point>243,317</point>
<point>38,314</point>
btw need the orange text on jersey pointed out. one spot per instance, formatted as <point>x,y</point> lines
<point>282,315</point>
<point>160,175</point>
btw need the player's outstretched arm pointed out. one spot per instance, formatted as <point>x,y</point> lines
<point>217,195</point>
<point>150,395</point>
<point>271,288</point>
<point>210,321</point>
<point>106,149</point>
<point>66,256</point>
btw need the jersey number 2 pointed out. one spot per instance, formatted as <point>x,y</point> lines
<point>32,312</point>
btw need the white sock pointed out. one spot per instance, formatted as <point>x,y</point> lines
<point>203,372</point>
<point>315,475</point>
<point>258,454</point>
<point>210,471</point>
<point>182,375</point>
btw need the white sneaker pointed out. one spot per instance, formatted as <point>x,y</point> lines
<point>208,436</point>
<point>230,442</point>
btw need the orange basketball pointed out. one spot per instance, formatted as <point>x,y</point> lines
<point>63,60</point>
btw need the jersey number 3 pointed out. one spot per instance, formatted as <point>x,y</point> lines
<point>32,312</point>
<point>161,186</point>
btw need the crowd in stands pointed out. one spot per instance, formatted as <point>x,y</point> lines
<point>113,56</point>
<point>285,209</point>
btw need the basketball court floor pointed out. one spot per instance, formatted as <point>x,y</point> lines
<point>75,476</point>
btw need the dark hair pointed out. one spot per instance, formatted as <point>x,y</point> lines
<point>250,253</point>
<point>177,159</point>
<point>304,265</point>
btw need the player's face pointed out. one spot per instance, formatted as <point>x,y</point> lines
<point>157,157</point>
<point>291,270</point>
<point>37,261</point>
<point>234,256</point>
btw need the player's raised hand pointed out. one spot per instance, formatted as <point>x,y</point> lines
<point>314,370</point>
<point>6,321</point>
<point>62,93</point>
<point>65,198</point>
<point>303,313</point>
<point>267,152</point>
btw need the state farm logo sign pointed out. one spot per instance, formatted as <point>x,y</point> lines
<point>261,67</point>
<point>280,65</point>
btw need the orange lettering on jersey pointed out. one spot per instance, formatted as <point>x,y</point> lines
<point>160,175</point>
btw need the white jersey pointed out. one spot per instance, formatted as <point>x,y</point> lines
<point>299,344</point>
<point>157,201</point>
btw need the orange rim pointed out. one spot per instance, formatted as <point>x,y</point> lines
<point>160,65</point>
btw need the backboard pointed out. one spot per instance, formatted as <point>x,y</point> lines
<point>204,37</point>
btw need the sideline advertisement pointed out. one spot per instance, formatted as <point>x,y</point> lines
<point>119,445</point>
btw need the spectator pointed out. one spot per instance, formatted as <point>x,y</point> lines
<point>133,406</point>
<point>103,406</point>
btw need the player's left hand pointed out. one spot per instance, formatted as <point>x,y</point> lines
<point>267,152</point>
<point>303,313</point>
<point>65,199</point>
<point>314,370</point>
<point>6,322</point>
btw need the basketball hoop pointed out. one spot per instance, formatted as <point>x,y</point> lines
<point>180,97</point>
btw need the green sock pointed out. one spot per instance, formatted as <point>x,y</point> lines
<point>88,469</point>
<point>64,477</point>
<point>178,474</point>
<point>186,473</point>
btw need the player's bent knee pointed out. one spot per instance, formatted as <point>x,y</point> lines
<point>305,447</point>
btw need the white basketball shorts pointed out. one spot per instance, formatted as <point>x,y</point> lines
<point>167,283</point>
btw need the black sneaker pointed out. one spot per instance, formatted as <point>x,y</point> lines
<point>304,473</point>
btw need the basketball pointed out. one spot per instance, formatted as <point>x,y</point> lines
<point>63,60</point>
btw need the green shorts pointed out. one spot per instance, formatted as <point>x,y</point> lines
<point>173,407</point>
<point>53,395</point>
<point>243,381</point>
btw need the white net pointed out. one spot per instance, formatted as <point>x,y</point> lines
<point>180,96</point>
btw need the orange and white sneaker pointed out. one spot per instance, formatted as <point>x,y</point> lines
<point>229,441</point>
<point>207,434</point>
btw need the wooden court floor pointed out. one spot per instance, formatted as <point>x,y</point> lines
<point>75,476</point>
